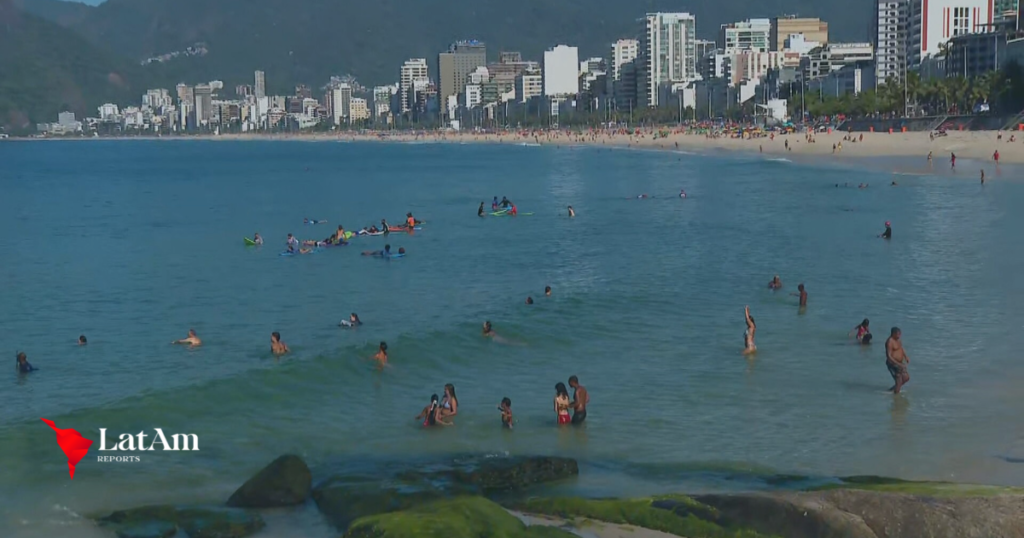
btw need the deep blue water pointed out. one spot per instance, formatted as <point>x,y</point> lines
<point>133,242</point>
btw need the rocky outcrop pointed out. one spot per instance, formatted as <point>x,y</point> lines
<point>164,521</point>
<point>344,499</point>
<point>852,513</point>
<point>285,482</point>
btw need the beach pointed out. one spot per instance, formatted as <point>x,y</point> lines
<point>134,242</point>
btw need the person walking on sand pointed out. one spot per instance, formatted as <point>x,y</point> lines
<point>896,360</point>
<point>995,156</point>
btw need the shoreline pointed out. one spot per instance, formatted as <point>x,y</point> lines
<point>977,146</point>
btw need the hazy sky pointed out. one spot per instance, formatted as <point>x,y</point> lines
<point>90,2</point>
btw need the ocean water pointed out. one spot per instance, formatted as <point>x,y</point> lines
<point>133,242</point>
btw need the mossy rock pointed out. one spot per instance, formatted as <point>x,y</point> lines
<point>343,501</point>
<point>496,475</point>
<point>160,521</point>
<point>286,481</point>
<point>909,487</point>
<point>462,517</point>
<point>678,515</point>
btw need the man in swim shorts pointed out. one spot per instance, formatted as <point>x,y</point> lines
<point>896,360</point>
<point>580,399</point>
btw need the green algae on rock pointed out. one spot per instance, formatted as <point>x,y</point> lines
<point>910,487</point>
<point>158,521</point>
<point>461,517</point>
<point>678,515</point>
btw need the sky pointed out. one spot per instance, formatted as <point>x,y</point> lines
<point>90,2</point>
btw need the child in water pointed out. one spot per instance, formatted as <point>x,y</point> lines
<point>506,412</point>
<point>382,355</point>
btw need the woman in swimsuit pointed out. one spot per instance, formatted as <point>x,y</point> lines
<point>562,404</point>
<point>776,283</point>
<point>862,331</point>
<point>449,405</point>
<point>748,335</point>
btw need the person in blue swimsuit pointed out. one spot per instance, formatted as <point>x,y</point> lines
<point>23,364</point>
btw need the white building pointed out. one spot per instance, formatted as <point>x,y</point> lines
<point>799,44</point>
<point>382,96</point>
<point>157,99</point>
<point>891,27</point>
<point>530,84</point>
<point>561,75</point>
<point>669,52</point>
<point>833,57</point>
<point>623,52</point>
<point>474,95</point>
<point>753,35</point>
<point>413,71</point>
<point>934,22</point>
<point>109,112</point>
<point>341,103</point>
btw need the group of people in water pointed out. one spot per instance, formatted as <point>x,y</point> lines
<point>341,237</point>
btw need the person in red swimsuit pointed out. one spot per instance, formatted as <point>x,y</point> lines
<point>562,404</point>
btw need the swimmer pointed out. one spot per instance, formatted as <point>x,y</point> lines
<point>572,212</point>
<point>748,335</point>
<point>277,347</point>
<point>257,239</point>
<point>896,360</point>
<point>775,284</point>
<point>480,210</point>
<point>379,253</point>
<point>401,250</point>
<point>547,291</point>
<point>561,404</point>
<point>22,364</point>
<point>81,340</point>
<point>192,340</point>
<point>893,184</point>
<point>352,321</point>
<point>862,332</point>
<point>580,399</point>
<point>529,300</point>
<point>429,413</point>
<point>641,196</point>
<point>506,413</point>
<point>382,355</point>
<point>682,193</point>
<point>802,294</point>
<point>449,405</point>
<point>488,330</point>
<point>887,234</point>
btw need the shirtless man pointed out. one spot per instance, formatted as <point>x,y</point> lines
<point>896,360</point>
<point>580,399</point>
<point>277,347</point>
<point>488,330</point>
<point>382,355</point>
<point>748,335</point>
<point>802,294</point>
<point>191,341</point>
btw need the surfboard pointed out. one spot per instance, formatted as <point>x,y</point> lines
<point>248,242</point>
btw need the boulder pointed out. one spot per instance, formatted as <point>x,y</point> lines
<point>343,501</point>
<point>285,482</point>
<point>497,475</point>
<point>163,521</point>
<point>852,513</point>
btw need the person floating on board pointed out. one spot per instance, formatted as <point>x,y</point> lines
<point>384,227</point>
<point>513,211</point>
<point>505,203</point>
<point>380,253</point>
<point>352,321</point>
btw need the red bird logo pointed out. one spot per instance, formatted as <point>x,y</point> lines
<point>72,443</point>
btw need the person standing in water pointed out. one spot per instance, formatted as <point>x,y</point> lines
<point>802,294</point>
<point>277,347</point>
<point>506,413</point>
<point>449,405</point>
<point>382,356</point>
<point>192,340</point>
<point>887,234</point>
<point>488,330</point>
<point>952,160</point>
<point>862,332</point>
<point>775,284</point>
<point>480,210</point>
<point>572,212</point>
<point>896,360</point>
<point>580,399</point>
<point>562,405</point>
<point>22,364</point>
<point>748,335</point>
<point>82,341</point>
<point>429,413</point>
<point>547,291</point>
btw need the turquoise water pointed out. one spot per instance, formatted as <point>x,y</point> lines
<point>134,242</point>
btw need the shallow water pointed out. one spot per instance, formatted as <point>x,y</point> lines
<point>133,242</point>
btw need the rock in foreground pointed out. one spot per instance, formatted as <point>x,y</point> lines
<point>164,521</point>
<point>285,482</point>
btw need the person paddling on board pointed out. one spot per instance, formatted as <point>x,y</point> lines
<point>494,204</point>
<point>896,360</point>
<point>379,253</point>
<point>887,234</point>
<point>192,340</point>
<point>480,211</point>
<point>352,321</point>
<point>862,332</point>
<point>257,239</point>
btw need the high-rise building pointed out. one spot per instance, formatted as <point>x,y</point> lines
<point>455,65</point>
<point>668,52</point>
<point>891,27</point>
<point>561,71</point>
<point>260,89</point>
<point>303,91</point>
<point>341,103</point>
<point>783,27</point>
<point>204,103</point>
<point>413,71</point>
<point>382,97</point>
<point>753,35</point>
<point>934,22</point>
<point>157,99</point>
<point>184,92</point>
<point>510,57</point>
<point>358,111</point>
<point>623,52</point>
<point>703,47</point>
<point>529,84</point>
